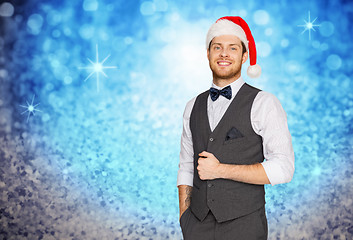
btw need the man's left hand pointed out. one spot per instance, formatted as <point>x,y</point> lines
<point>208,166</point>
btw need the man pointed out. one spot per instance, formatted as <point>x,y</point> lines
<point>228,131</point>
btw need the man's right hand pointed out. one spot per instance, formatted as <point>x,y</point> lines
<point>184,198</point>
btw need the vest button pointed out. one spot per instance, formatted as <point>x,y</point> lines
<point>210,200</point>
<point>211,139</point>
<point>210,185</point>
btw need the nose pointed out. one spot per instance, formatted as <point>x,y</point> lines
<point>224,53</point>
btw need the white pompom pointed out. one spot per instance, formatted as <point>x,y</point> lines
<point>254,71</point>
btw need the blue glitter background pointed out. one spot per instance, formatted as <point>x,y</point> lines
<point>103,164</point>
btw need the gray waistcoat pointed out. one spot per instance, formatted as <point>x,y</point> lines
<point>226,199</point>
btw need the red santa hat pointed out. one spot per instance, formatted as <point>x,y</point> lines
<point>238,27</point>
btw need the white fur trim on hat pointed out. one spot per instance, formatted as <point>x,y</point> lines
<point>226,27</point>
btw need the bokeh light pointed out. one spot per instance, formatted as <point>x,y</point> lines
<point>103,165</point>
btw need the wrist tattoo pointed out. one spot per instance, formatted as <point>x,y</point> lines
<point>188,196</point>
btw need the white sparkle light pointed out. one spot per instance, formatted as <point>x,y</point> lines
<point>308,26</point>
<point>97,68</point>
<point>30,108</point>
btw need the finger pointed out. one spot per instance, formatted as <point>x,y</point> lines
<point>205,154</point>
<point>200,160</point>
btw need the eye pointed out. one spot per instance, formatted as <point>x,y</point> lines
<point>233,49</point>
<point>217,47</point>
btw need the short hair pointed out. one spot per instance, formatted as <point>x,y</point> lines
<point>244,48</point>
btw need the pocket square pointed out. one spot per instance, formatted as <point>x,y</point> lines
<point>233,133</point>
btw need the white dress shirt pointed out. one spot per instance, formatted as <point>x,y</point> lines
<point>268,119</point>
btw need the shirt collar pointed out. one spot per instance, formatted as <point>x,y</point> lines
<point>236,85</point>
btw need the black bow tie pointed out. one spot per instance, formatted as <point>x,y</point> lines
<point>225,92</point>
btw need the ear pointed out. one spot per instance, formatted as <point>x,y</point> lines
<point>208,54</point>
<point>245,57</point>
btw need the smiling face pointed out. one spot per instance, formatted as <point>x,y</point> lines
<point>226,57</point>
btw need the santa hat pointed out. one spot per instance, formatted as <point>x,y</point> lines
<point>238,27</point>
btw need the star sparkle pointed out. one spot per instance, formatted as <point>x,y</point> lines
<point>97,68</point>
<point>308,26</point>
<point>30,108</point>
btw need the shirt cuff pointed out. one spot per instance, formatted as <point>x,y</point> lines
<point>274,172</point>
<point>185,178</point>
